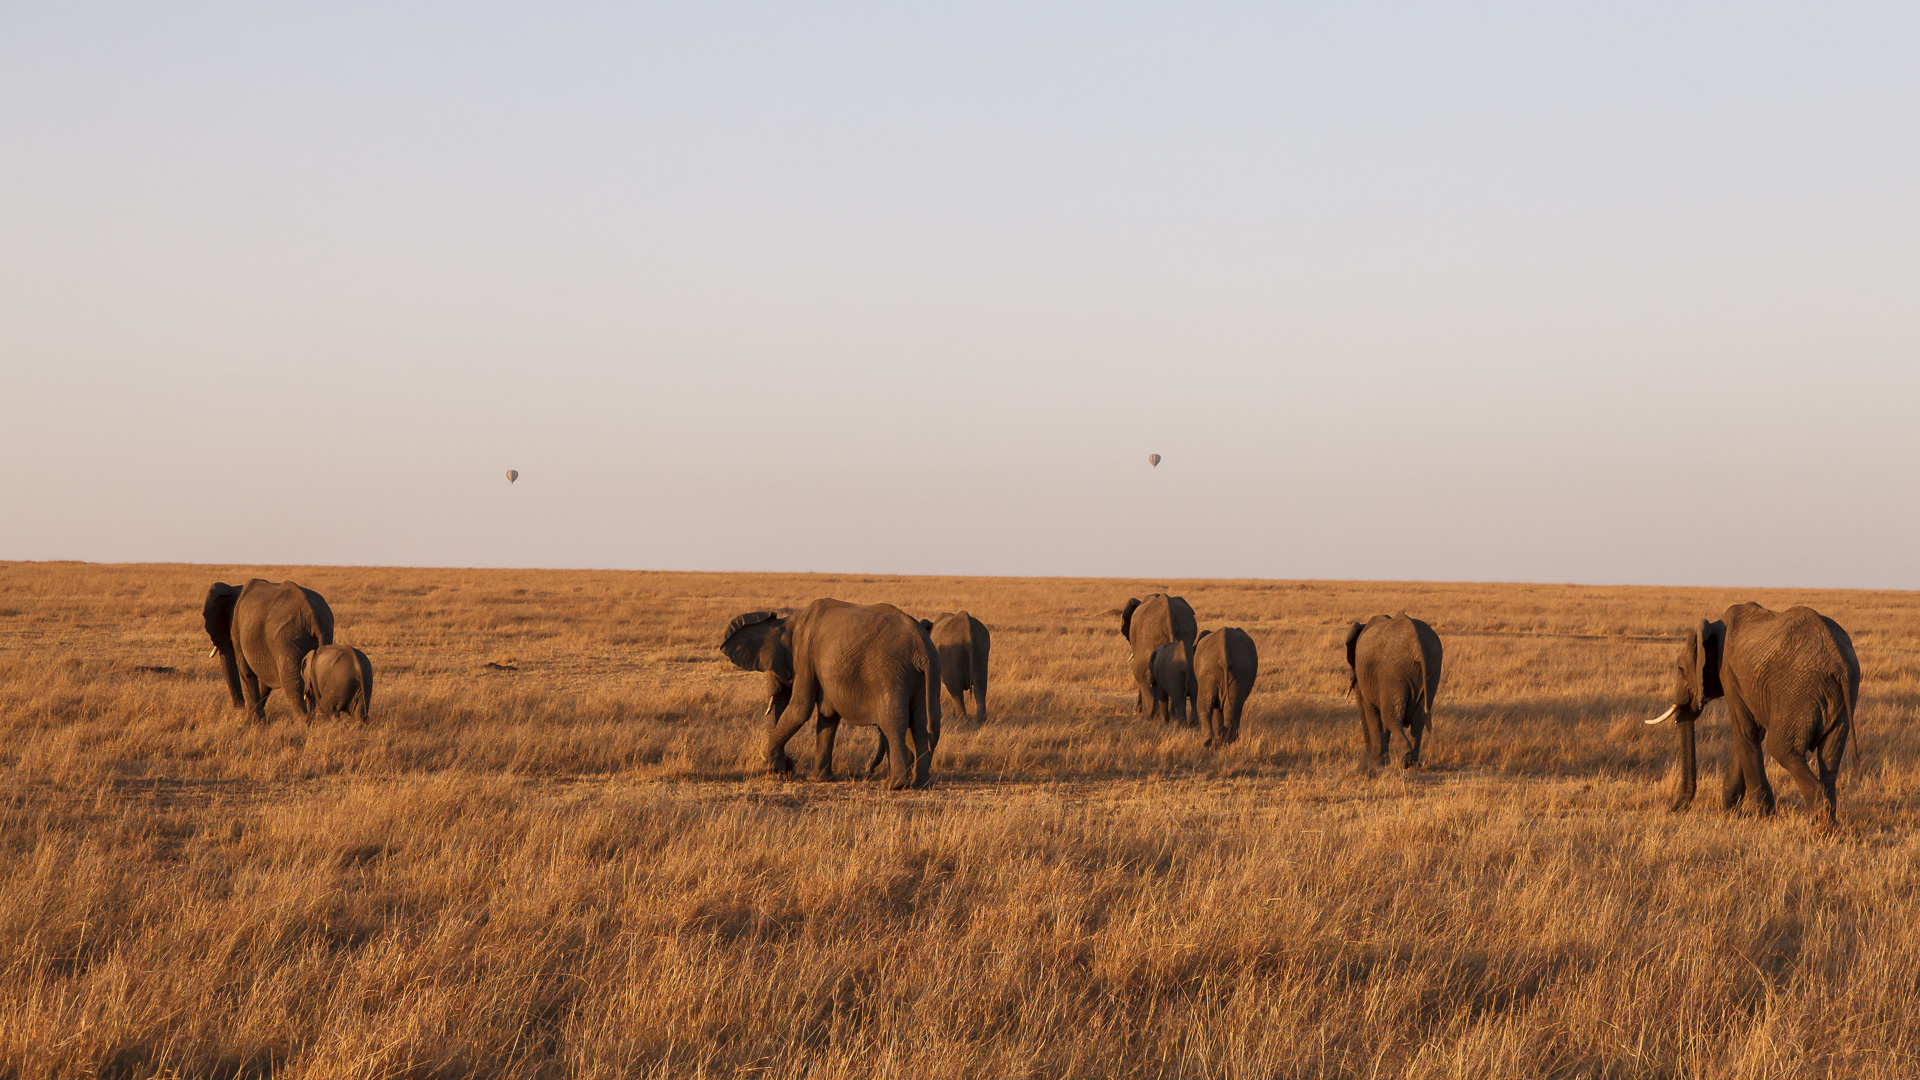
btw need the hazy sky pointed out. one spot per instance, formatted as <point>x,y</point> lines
<point>1484,291</point>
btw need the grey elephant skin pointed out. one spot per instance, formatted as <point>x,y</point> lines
<point>760,641</point>
<point>870,665</point>
<point>339,680</point>
<point>963,644</point>
<point>263,631</point>
<point>1395,665</point>
<point>1225,664</point>
<point>1147,625</point>
<point>1791,681</point>
<point>1170,680</point>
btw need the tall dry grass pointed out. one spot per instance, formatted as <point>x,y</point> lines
<point>573,864</point>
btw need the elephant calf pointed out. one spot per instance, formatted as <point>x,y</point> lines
<point>1396,673</point>
<point>867,665</point>
<point>1170,680</point>
<point>339,679</point>
<point>1147,625</point>
<point>963,643</point>
<point>1225,663</point>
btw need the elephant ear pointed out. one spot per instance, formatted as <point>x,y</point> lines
<point>1708,645</point>
<point>1353,670</point>
<point>746,638</point>
<point>217,613</point>
<point>1126,618</point>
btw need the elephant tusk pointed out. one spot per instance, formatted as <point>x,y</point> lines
<point>1662,718</point>
<point>213,652</point>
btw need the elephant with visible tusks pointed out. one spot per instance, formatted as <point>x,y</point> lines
<point>1395,664</point>
<point>262,632</point>
<point>869,665</point>
<point>1791,681</point>
<point>760,641</point>
<point>1147,625</point>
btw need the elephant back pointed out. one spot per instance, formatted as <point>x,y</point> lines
<point>1150,623</point>
<point>285,611</point>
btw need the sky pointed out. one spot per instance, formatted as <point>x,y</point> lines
<point>1616,294</point>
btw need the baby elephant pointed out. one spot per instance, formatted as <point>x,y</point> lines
<point>1396,673</point>
<point>1225,664</point>
<point>963,643</point>
<point>339,680</point>
<point>1170,680</point>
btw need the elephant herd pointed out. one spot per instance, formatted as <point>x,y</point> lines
<point>1790,679</point>
<point>278,636</point>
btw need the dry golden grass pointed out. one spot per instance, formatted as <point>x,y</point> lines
<point>578,868</point>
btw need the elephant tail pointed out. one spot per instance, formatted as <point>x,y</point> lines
<point>1421,696</point>
<point>1836,715</point>
<point>930,686</point>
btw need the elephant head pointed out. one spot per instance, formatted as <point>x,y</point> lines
<point>217,613</point>
<point>1693,681</point>
<point>761,641</point>
<point>1353,669</point>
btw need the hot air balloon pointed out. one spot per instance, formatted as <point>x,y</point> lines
<point>1153,460</point>
<point>512,475</point>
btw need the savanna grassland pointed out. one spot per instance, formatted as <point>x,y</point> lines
<point>555,852</point>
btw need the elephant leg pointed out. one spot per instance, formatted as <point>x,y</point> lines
<point>959,703</point>
<point>880,751</point>
<point>900,749</point>
<point>253,695</point>
<point>1794,760</point>
<point>1743,753</point>
<point>1827,757</point>
<point>294,682</point>
<point>1733,786</point>
<point>1415,733</point>
<point>1143,683</point>
<point>824,730</point>
<point>1374,732</point>
<point>920,729</point>
<point>806,695</point>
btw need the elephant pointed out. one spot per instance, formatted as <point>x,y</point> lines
<point>1791,681</point>
<point>263,631</point>
<point>963,644</point>
<point>760,641</point>
<point>1147,625</point>
<point>1395,664</point>
<point>1225,663</point>
<point>1170,680</point>
<point>869,665</point>
<point>339,680</point>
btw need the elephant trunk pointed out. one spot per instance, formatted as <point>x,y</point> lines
<point>232,666</point>
<point>1687,775</point>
